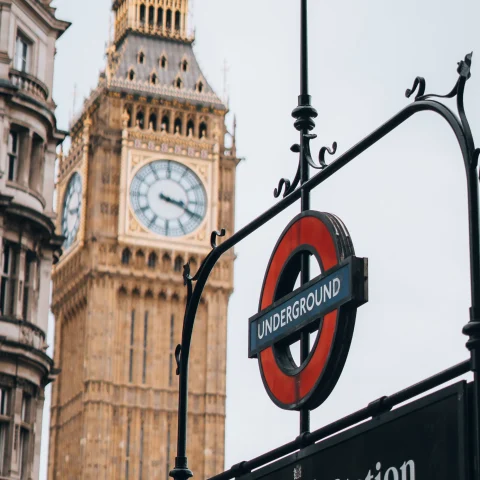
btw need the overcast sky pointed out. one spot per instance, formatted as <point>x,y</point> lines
<point>403,201</point>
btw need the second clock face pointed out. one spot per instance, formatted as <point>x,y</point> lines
<point>168,198</point>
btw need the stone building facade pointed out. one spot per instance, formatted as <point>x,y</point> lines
<point>28,242</point>
<point>148,177</point>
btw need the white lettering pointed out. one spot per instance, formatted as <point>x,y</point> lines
<point>393,471</point>
<point>411,467</point>
<point>268,326</point>
<point>276,321</point>
<point>318,300</point>
<point>312,296</point>
<point>302,306</point>
<point>327,291</point>
<point>263,330</point>
<point>336,286</point>
<point>295,310</point>
<point>289,313</point>
<point>378,466</point>
<point>282,318</point>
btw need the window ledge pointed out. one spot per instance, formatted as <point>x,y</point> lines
<point>33,193</point>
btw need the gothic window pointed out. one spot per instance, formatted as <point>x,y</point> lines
<point>169,19</point>
<point>141,58</point>
<point>140,120</point>
<point>131,75</point>
<point>12,166</point>
<point>139,259</point>
<point>165,124</point>
<point>5,422</point>
<point>163,61</point>
<point>145,344</point>
<point>152,260</point>
<point>126,256</point>
<point>9,278</point>
<point>203,130</point>
<point>22,53</point>
<point>132,345</point>
<point>142,14</point>
<point>184,65</point>
<point>166,262</point>
<point>178,83</point>
<point>151,16</point>
<point>178,264</point>
<point>177,20</point>
<point>190,127</point>
<point>154,79</point>
<point>128,111</point>
<point>200,87</point>
<point>152,122</point>
<point>160,18</point>
<point>178,126</point>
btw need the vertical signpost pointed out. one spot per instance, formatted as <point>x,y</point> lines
<point>435,438</point>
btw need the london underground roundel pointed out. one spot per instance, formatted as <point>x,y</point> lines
<point>326,304</point>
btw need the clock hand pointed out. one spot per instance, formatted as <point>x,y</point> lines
<point>181,204</point>
<point>192,214</point>
<point>178,203</point>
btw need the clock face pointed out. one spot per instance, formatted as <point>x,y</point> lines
<point>168,198</point>
<point>72,209</point>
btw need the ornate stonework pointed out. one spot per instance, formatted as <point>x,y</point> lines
<point>118,294</point>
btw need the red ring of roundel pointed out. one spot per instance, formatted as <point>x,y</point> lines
<point>301,390</point>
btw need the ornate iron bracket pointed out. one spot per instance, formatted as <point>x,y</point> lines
<point>304,123</point>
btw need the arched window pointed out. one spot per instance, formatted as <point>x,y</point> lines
<point>178,83</point>
<point>178,126</point>
<point>131,74</point>
<point>140,120</point>
<point>142,14</point>
<point>184,65</point>
<point>152,260</point>
<point>203,130</point>
<point>139,259</point>
<point>190,127</point>
<point>178,264</point>
<point>163,61</point>
<point>128,111</point>
<point>160,18</point>
<point>154,79</point>
<point>177,20</point>
<point>141,58</point>
<point>169,19</point>
<point>151,16</point>
<point>165,124</point>
<point>126,256</point>
<point>166,262</point>
<point>200,87</point>
<point>152,121</point>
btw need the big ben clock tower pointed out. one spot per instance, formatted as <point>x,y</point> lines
<point>147,178</point>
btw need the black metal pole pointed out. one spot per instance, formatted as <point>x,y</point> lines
<point>304,100</point>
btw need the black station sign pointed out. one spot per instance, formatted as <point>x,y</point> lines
<point>425,440</point>
<point>307,304</point>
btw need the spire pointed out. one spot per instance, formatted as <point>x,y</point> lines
<point>158,19</point>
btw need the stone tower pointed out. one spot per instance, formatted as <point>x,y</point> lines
<point>28,242</point>
<point>147,178</point>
